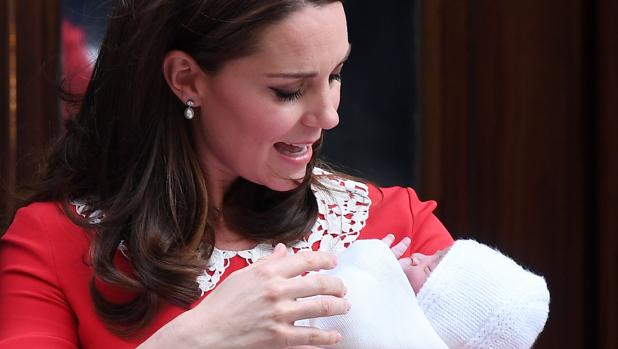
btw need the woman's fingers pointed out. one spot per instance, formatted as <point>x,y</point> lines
<point>280,251</point>
<point>314,284</point>
<point>318,306</point>
<point>300,263</point>
<point>307,337</point>
<point>270,288</point>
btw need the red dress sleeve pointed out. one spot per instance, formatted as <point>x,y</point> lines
<point>399,211</point>
<point>34,311</point>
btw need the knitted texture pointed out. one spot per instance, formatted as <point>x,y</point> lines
<point>384,313</point>
<point>479,298</point>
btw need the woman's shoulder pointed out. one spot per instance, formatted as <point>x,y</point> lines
<point>367,211</point>
<point>45,276</point>
<point>42,211</point>
<point>397,200</point>
<point>363,190</point>
<point>48,214</point>
<point>399,211</point>
<point>45,244</point>
<point>46,226</point>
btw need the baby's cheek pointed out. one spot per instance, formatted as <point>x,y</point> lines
<point>416,276</point>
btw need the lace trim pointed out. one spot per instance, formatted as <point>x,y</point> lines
<point>343,210</point>
<point>82,208</point>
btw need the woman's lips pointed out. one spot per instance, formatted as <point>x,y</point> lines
<point>295,152</point>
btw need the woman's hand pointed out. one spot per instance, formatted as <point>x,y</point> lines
<point>255,307</point>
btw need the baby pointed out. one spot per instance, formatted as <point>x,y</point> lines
<point>467,296</point>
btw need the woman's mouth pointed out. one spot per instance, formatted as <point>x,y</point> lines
<point>295,152</point>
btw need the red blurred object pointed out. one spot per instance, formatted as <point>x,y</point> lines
<point>76,64</point>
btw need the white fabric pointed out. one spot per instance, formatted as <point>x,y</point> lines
<point>479,298</point>
<point>384,312</point>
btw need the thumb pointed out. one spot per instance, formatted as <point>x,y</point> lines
<point>280,250</point>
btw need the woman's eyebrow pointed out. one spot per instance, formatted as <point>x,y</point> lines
<point>292,75</point>
<point>303,75</point>
<point>347,55</point>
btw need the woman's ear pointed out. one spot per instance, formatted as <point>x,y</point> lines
<point>183,76</point>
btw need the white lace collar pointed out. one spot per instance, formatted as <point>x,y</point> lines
<point>343,209</point>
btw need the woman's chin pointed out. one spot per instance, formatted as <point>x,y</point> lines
<point>285,182</point>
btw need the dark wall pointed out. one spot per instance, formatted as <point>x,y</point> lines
<point>376,136</point>
<point>521,145</point>
<point>29,109</point>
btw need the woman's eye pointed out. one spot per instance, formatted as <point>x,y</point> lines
<point>285,96</point>
<point>335,77</point>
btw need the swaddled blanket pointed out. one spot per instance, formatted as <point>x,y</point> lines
<point>384,313</point>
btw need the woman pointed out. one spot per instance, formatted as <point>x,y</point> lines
<point>194,155</point>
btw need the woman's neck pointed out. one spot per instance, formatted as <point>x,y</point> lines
<point>227,239</point>
<point>217,184</point>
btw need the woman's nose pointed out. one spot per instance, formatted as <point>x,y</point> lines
<point>324,118</point>
<point>329,119</point>
<point>323,111</point>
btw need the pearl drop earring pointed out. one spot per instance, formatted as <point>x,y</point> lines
<point>189,112</point>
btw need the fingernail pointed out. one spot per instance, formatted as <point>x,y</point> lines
<point>279,247</point>
<point>407,240</point>
<point>338,337</point>
<point>348,306</point>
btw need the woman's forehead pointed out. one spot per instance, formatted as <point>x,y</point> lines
<point>309,36</point>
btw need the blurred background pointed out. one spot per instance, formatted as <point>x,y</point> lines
<point>505,112</point>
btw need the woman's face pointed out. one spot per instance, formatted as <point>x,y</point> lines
<point>260,114</point>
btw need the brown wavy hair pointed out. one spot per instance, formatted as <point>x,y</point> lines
<point>128,152</point>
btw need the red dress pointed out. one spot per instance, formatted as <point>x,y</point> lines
<point>44,273</point>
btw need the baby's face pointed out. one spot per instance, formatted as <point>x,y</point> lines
<point>421,267</point>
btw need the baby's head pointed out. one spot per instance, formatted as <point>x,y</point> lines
<point>421,266</point>
<point>475,296</point>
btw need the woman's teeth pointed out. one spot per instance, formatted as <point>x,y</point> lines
<point>292,149</point>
